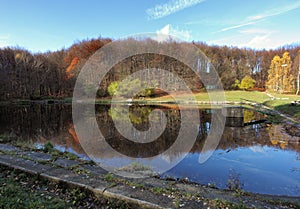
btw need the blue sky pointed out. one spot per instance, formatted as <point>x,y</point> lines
<point>40,25</point>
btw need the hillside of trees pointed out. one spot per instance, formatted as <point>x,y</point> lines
<point>26,75</point>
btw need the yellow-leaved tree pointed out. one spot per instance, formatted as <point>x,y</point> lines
<point>280,78</point>
<point>288,81</point>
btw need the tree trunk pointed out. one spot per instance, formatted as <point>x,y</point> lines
<point>298,79</point>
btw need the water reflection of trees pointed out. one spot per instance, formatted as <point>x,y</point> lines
<point>139,116</point>
<point>233,137</point>
<point>254,135</point>
<point>40,123</point>
<point>27,121</point>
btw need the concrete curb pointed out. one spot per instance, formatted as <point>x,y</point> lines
<point>145,197</point>
<point>98,191</point>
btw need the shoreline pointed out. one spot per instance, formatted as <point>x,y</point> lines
<point>147,193</point>
<point>257,106</point>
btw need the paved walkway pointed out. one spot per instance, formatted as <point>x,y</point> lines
<point>141,193</point>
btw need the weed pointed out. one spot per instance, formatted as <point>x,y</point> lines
<point>135,185</point>
<point>48,147</point>
<point>70,156</point>
<point>5,138</point>
<point>158,190</point>
<point>79,170</point>
<point>16,195</point>
<point>78,195</point>
<point>212,185</point>
<point>25,157</point>
<point>109,177</point>
<point>176,203</point>
<point>113,184</point>
<point>135,166</point>
<point>275,118</point>
<point>233,182</point>
<point>219,203</point>
<point>189,195</point>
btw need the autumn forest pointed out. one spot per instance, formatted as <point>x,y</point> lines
<point>26,75</point>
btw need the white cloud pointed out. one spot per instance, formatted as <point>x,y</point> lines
<point>169,32</point>
<point>256,31</point>
<point>252,20</point>
<point>4,40</point>
<point>259,38</point>
<point>165,30</point>
<point>162,10</point>
<point>196,22</point>
<point>257,149</point>
<point>260,41</point>
<point>238,26</point>
<point>256,38</point>
<point>2,44</point>
<point>275,11</point>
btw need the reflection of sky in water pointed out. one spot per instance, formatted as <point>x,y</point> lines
<point>156,164</point>
<point>264,158</point>
<point>261,169</point>
<point>63,148</point>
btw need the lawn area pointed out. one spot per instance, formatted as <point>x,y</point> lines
<point>231,96</point>
<point>240,96</point>
<point>281,102</point>
<point>21,190</point>
<point>17,190</point>
<point>284,106</point>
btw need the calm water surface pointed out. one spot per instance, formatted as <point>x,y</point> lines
<point>253,156</point>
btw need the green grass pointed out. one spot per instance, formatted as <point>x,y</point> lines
<point>231,96</point>
<point>240,96</point>
<point>5,138</point>
<point>109,177</point>
<point>282,102</point>
<point>284,106</point>
<point>68,99</point>
<point>16,192</point>
<point>21,190</point>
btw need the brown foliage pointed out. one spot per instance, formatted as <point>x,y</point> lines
<point>27,75</point>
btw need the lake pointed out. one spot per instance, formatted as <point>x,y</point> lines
<point>251,155</point>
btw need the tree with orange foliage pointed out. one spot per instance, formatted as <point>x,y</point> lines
<point>79,53</point>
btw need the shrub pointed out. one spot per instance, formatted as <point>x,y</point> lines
<point>247,83</point>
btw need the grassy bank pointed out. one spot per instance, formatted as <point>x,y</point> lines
<point>230,96</point>
<point>280,102</point>
<point>22,190</point>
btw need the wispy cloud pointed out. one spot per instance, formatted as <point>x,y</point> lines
<point>259,42</point>
<point>196,22</point>
<point>168,31</point>
<point>4,40</point>
<point>162,10</point>
<point>275,11</point>
<point>206,21</point>
<point>239,26</point>
<point>254,38</point>
<point>252,20</point>
<point>257,31</point>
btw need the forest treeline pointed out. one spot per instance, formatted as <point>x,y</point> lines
<point>26,75</point>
